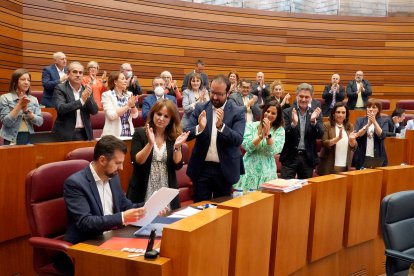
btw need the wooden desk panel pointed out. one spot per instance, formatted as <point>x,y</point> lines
<point>354,114</point>
<point>409,135</point>
<point>251,233</point>
<point>327,215</point>
<point>16,162</point>
<point>52,152</point>
<point>91,260</point>
<point>200,244</point>
<point>396,149</point>
<point>362,206</point>
<point>396,179</point>
<point>291,213</point>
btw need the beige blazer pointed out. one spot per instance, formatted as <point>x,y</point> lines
<point>327,154</point>
<point>112,120</point>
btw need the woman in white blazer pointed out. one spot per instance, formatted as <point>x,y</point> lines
<point>119,107</point>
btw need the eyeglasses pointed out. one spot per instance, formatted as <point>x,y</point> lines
<point>77,72</point>
<point>217,94</point>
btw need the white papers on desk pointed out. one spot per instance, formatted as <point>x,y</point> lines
<point>283,185</point>
<point>155,204</point>
<point>189,211</point>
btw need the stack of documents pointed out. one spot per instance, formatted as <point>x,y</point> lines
<point>283,185</point>
<point>189,211</point>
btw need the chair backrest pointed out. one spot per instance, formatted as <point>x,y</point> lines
<point>385,104</point>
<point>397,224</point>
<point>405,104</point>
<point>185,152</point>
<point>97,123</point>
<point>185,186</point>
<point>45,206</point>
<point>85,153</point>
<point>141,99</point>
<point>138,121</point>
<point>37,94</point>
<point>47,123</point>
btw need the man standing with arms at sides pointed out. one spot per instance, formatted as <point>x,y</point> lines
<point>358,92</point>
<point>132,80</point>
<point>199,68</point>
<point>52,75</point>
<point>260,88</point>
<point>303,125</point>
<point>332,94</point>
<point>74,105</point>
<point>218,127</point>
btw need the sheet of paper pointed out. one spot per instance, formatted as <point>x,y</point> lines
<point>189,211</point>
<point>155,204</point>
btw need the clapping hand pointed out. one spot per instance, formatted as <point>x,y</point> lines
<point>220,115</point>
<point>352,137</point>
<point>23,100</point>
<point>202,121</point>
<point>371,117</point>
<point>265,127</point>
<point>132,101</point>
<point>181,139</point>
<point>295,118</point>
<point>150,134</point>
<point>253,100</point>
<point>315,115</point>
<point>86,93</point>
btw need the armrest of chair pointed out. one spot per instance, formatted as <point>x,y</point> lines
<point>398,255</point>
<point>40,242</point>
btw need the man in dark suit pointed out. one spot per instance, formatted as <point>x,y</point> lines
<point>52,75</point>
<point>247,100</point>
<point>218,127</point>
<point>395,122</point>
<point>158,93</point>
<point>332,94</point>
<point>199,68</point>
<point>303,125</point>
<point>358,92</point>
<point>74,105</point>
<point>94,197</point>
<point>260,88</point>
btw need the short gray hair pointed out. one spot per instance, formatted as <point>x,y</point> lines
<point>58,55</point>
<point>92,64</point>
<point>73,63</point>
<point>304,86</point>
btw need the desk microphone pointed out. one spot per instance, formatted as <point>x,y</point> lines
<point>150,253</point>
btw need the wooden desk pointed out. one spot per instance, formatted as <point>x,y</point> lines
<point>396,149</point>
<point>354,114</point>
<point>52,152</point>
<point>251,233</point>
<point>396,179</point>
<point>92,260</point>
<point>327,215</point>
<point>291,213</point>
<point>200,244</point>
<point>362,207</point>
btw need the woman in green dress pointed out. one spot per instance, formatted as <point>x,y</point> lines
<point>262,140</point>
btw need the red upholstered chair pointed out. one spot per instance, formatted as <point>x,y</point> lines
<point>180,103</point>
<point>46,212</point>
<point>47,123</point>
<point>408,117</point>
<point>85,153</point>
<point>185,152</point>
<point>322,101</point>
<point>98,122</point>
<point>385,104</point>
<point>37,94</point>
<point>185,186</point>
<point>405,104</point>
<point>138,121</point>
<point>141,99</point>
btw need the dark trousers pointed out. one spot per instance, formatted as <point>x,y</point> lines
<point>79,134</point>
<point>22,139</point>
<point>211,183</point>
<point>299,166</point>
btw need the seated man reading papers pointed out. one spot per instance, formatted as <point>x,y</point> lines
<point>94,197</point>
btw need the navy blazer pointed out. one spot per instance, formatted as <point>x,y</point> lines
<point>150,100</point>
<point>50,78</point>
<point>351,92</point>
<point>66,107</point>
<point>228,141</point>
<point>328,97</point>
<point>292,137</point>
<point>379,147</point>
<point>84,207</point>
<point>238,99</point>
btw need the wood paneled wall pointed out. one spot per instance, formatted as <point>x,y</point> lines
<point>157,35</point>
<point>11,39</point>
